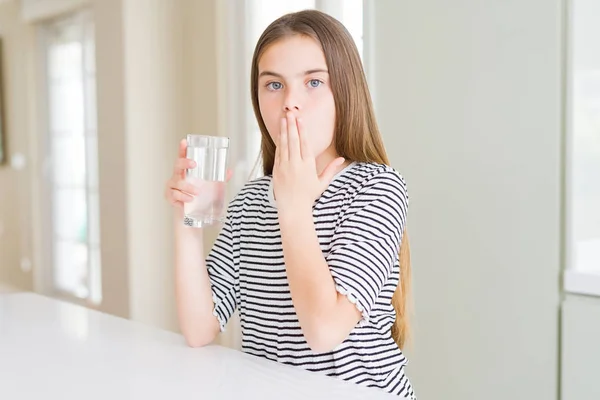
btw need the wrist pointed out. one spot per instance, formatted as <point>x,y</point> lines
<point>178,213</point>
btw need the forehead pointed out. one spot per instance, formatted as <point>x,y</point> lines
<point>292,55</point>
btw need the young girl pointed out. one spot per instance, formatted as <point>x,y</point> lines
<point>310,253</point>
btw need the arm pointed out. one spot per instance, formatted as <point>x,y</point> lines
<point>363,251</point>
<point>192,286</point>
<point>203,288</point>
<point>326,316</point>
<point>331,295</point>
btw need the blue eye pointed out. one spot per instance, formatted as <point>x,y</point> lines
<point>274,86</point>
<point>315,83</point>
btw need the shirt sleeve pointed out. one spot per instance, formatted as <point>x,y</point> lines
<point>222,265</point>
<point>365,245</point>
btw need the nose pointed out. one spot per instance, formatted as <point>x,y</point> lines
<point>292,108</point>
<point>291,102</point>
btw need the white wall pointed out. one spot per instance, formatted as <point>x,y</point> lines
<point>468,96</point>
<point>170,89</point>
<point>112,156</point>
<point>155,109</point>
<point>580,348</point>
<point>580,320</point>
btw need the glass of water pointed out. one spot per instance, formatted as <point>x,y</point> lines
<point>210,155</point>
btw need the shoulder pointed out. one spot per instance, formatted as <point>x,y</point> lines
<point>375,200</point>
<point>252,191</point>
<point>255,186</point>
<point>379,178</point>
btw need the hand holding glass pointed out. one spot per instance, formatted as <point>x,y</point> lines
<point>209,176</point>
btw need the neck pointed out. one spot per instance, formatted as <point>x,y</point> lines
<point>325,159</point>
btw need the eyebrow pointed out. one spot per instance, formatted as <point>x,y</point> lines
<point>310,71</point>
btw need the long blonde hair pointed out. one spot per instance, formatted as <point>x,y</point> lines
<point>357,137</point>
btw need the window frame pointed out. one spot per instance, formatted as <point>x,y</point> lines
<point>45,276</point>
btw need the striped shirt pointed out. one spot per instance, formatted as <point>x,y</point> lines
<point>359,220</point>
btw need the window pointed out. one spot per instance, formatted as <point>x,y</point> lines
<point>583,149</point>
<point>261,13</point>
<point>71,152</point>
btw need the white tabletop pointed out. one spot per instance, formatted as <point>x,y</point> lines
<point>51,349</point>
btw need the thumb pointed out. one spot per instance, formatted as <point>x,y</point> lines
<point>329,171</point>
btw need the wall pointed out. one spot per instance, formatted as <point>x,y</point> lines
<point>171,90</point>
<point>17,69</point>
<point>157,73</point>
<point>580,348</point>
<point>580,322</point>
<point>112,155</point>
<point>469,102</point>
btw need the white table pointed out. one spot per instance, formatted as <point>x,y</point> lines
<point>51,349</point>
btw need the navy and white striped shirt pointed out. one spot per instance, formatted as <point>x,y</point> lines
<point>359,220</point>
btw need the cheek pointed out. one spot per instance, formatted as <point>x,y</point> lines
<point>323,106</point>
<point>270,115</point>
<point>320,132</point>
<point>323,123</point>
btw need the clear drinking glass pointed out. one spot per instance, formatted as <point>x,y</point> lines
<point>210,154</point>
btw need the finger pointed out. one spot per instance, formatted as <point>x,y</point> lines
<point>220,192</point>
<point>182,148</point>
<point>283,141</point>
<point>329,171</point>
<point>293,139</point>
<point>305,150</point>
<point>175,203</point>
<point>176,195</point>
<point>181,164</point>
<point>182,154</point>
<point>228,175</point>
<point>186,187</point>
